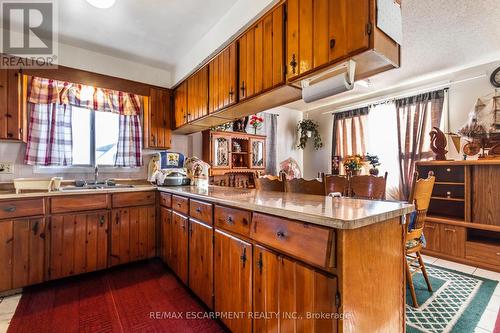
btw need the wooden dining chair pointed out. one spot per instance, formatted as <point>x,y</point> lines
<point>368,187</point>
<point>335,183</point>
<point>270,183</point>
<point>300,185</point>
<point>420,196</point>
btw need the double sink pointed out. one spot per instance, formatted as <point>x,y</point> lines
<point>94,186</point>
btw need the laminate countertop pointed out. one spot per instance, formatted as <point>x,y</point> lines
<point>338,213</point>
<point>6,195</point>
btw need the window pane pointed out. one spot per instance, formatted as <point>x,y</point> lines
<point>81,124</point>
<point>106,137</point>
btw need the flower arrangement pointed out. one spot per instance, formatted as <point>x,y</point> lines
<point>374,162</point>
<point>307,129</point>
<point>256,122</point>
<point>353,164</point>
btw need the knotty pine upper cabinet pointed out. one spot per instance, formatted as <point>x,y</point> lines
<point>157,120</point>
<point>180,105</point>
<point>197,94</point>
<point>223,84</point>
<point>321,32</point>
<point>78,243</point>
<point>261,51</point>
<point>11,115</point>
<point>22,252</point>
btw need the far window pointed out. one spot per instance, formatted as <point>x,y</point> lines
<point>95,137</point>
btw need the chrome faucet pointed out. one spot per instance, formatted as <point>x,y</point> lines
<point>96,173</point>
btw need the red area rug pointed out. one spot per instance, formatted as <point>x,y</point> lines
<point>141,297</point>
<point>497,324</point>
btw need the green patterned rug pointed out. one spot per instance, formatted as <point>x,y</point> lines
<point>456,305</point>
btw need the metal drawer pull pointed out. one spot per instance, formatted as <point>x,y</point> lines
<point>9,209</point>
<point>447,229</point>
<point>280,235</point>
<point>229,220</point>
<point>198,209</point>
<point>430,226</point>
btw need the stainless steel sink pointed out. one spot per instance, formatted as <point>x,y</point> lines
<point>94,187</point>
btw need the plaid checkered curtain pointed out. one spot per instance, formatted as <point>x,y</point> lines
<point>129,151</point>
<point>50,140</point>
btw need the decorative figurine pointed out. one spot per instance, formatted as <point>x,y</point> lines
<point>240,125</point>
<point>438,144</point>
<point>197,171</point>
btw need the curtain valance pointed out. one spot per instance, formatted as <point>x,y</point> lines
<point>47,91</point>
<point>351,113</point>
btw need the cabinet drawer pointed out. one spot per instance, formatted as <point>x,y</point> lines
<point>307,242</point>
<point>133,199</point>
<point>443,173</point>
<point>201,211</point>
<point>77,203</point>
<point>234,220</point>
<point>166,200</point>
<point>486,253</point>
<point>180,204</point>
<point>20,208</point>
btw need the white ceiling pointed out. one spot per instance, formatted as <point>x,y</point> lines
<point>153,32</point>
<point>439,36</point>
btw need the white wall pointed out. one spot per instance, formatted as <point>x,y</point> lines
<point>76,57</point>
<point>231,24</point>
<point>462,98</point>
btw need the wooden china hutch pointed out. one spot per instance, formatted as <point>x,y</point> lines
<point>234,157</point>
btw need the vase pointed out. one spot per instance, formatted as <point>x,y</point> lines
<point>255,130</point>
<point>374,171</point>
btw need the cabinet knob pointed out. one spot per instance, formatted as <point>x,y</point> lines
<point>198,210</point>
<point>10,135</point>
<point>448,170</point>
<point>9,209</point>
<point>332,43</point>
<point>280,235</point>
<point>229,220</point>
<point>451,230</point>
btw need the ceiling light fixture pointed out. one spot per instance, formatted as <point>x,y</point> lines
<point>103,4</point>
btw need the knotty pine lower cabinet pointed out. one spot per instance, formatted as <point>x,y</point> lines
<point>294,293</point>
<point>133,234</point>
<point>22,252</point>
<point>179,241</point>
<point>78,243</point>
<point>233,281</point>
<point>201,262</point>
<point>166,235</point>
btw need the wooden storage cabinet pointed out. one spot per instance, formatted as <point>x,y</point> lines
<point>261,55</point>
<point>287,287</point>
<point>78,244</point>
<point>223,84</point>
<point>78,203</point>
<point>201,247</point>
<point>432,236</point>
<point>452,240</point>
<point>197,94</point>
<point>11,115</point>
<point>157,119</point>
<point>133,199</point>
<point>322,32</point>
<point>179,246</point>
<point>233,280</point>
<point>133,234</point>
<point>484,253</point>
<point>233,220</point>
<point>166,235</point>
<point>22,252</point>
<point>180,105</point>
<point>20,208</point>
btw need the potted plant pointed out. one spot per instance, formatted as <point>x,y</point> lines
<point>309,129</point>
<point>256,122</point>
<point>353,164</point>
<point>374,162</point>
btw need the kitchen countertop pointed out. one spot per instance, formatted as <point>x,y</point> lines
<point>13,195</point>
<point>339,213</point>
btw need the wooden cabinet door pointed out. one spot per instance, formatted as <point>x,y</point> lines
<point>180,105</point>
<point>261,55</point>
<point>158,119</point>
<point>222,80</point>
<point>201,254</point>
<point>78,244</point>
<point>11,117</point>
<point>180,246</point>
<point>288,287</point>
<point>322,32</point>
<point>452,240</point>
<point>166,235</point>
<point>233,280</point>
<point>197,94</point>
<point>133,234</point>
<point>432,236</point>
<point>22,253</point>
